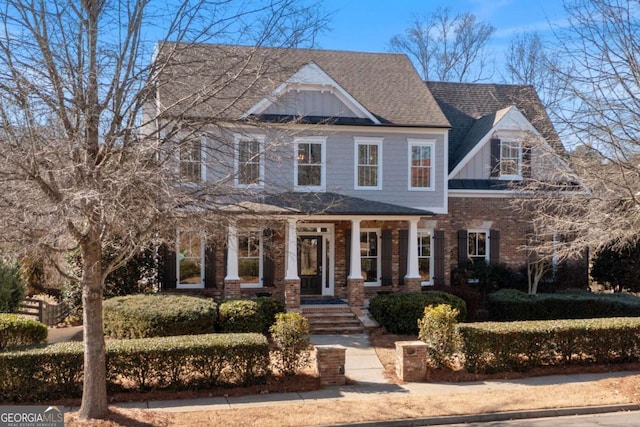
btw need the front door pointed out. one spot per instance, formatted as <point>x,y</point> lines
<point>310,264</point>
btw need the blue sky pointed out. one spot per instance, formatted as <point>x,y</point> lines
<point>368,25</point>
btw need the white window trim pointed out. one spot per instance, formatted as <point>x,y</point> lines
<point>363,140</point>
<point>236,161</point>
<point>431,264</point>
<point>378,231</point>
<point>322,140</point>
<point>202,265</point>
<point>420,143</point>
<point>487,243</point>
<point>518,176</point>
<point>260,259</point>
<point>203,163</point>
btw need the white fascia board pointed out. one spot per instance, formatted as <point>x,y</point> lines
<point>513,115</point>
<point>312,77</point>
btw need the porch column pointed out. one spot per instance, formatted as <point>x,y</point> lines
<point>412,279</point>
<point>291,278</point>
<point>355,281</point>
<point>232,280</point>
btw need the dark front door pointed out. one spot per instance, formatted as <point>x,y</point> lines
<point>310,264</point>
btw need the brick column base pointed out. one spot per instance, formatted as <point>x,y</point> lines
<point>232,289</point>
<point>412,285</point>
<point>356,292</point>
<point>292,293</point>
<point>411,360</point>
<point>330,363</point>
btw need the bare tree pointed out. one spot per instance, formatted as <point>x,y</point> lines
<point>82,168</point>
<point>601,111</point>
<point>447,48</point>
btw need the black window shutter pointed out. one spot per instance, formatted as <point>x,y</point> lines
<point>168,258</point>
<point>268,265</point>
<point>526,161</point>
<point>386,259</point>
<point>495,158</point>
<point>403,239</point>
<point>347,251</point>
<point>494,246</point>
<point>438,258</point>
<point>463,248</point>
<point>210,266</point>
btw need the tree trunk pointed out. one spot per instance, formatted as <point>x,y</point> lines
<point>94,390</point>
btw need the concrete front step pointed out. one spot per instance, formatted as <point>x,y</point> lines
<point>330,319</point>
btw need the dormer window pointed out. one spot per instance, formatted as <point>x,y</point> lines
<point>507,159</point>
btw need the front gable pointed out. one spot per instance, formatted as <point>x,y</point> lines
<point>311,92</point>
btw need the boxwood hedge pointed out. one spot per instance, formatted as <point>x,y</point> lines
<point>256,315</point>
<point>16,331</point>
<point>399,312</point>
<point>157,315</point>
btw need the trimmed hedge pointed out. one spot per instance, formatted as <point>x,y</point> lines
<point>176,363</point>
<point>17,331</point>
<point>510,304</point>
<point>399,312</point>
<point>158,315</point>
<point>256,315</point>
<point>508,346</point>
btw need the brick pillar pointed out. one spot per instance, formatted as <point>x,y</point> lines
<point>356,292</point>
<point>292,293</point>
<point>232,289</point>
<point>330,363</point>
<point>412,285</point>
<point>411,360</point>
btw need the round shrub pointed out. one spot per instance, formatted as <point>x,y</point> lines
<point>158,315</point>
<point>399,313</point>
<point>255,315</point>
<point>17,331</point>
<point>291,339</point>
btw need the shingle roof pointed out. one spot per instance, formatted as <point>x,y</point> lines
<point>336,204</point>
<point>222,81</point>
<point>471,109</point>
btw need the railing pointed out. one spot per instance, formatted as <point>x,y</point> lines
<point>49,314</point>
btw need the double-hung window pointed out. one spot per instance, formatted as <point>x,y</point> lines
<point>309,168</point>
<point>190,259</point>
<point>370,256</point>
<point>510,160</point>
<point>421,167</point>
<point>249,164</point>
<point>190,153</point>
<point>250,258</point>
<point>368,163</point>
<point>424,257</point>
<point>478,247</point>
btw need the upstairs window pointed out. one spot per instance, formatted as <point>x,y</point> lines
<point>368,168</point>
<point>191,161</point>
<point>310,164</point>
<point>510,159</point>
<point>421,170</point>
<point>248,162</point>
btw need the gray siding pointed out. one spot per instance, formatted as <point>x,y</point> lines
<point>479,167</point>
<point>312,103</point>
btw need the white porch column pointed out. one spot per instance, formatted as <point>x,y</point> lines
<point>291,272</point>
<point>356,269</point>
<point>232,252</point>
<point>412,251</point>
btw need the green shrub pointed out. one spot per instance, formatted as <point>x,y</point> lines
<point>291,340</point>
<point>12,288</point>
<point>249,315</point>
<point>438,330</point>
<point>509,304</point>
<point>176,363</point>
<point>399,313</point>
<point>508,346</point>
<point>16,331</point>
<point>157,315</point>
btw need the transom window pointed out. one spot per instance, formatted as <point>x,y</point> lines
<point>478,249</point>
<point>510,159</point>
<point>249,166</point>
<point>250,258</point>
<point>191,161</point>
<point>424,256</point>
<point>310,163</point>
<point>368,163</point>
<point>370,256</point>
<point>190,256</point>
<point>421,171</point>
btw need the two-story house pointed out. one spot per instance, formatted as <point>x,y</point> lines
<point>346,173</point>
